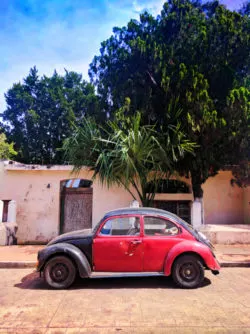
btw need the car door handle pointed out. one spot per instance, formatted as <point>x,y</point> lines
<point>136,242</point>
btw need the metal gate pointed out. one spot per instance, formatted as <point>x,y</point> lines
<point>180,208</point>
<point>76,209</point>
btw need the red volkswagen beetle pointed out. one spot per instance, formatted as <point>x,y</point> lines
<point>135,241</point>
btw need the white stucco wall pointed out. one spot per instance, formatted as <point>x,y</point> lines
<point>37,193</point>
<point>38,205</point>
<point>246,204</point>
<point>223,203</point>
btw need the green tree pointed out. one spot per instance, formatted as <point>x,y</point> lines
<point>6,150</point>
<point>238,109</point>
<point>40,113</point>
<point>194,57</point>
<point>127,153</point>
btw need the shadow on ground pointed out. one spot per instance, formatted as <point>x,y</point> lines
<point>33,281</point>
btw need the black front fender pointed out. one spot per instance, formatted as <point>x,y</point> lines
<point>65,249</point>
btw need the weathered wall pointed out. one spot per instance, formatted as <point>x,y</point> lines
<point>37,193</point>
<point>246,204</point>
<point>223,204</point>
<point>37,205</point>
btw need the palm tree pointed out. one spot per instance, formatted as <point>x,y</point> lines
<point>127,154</point>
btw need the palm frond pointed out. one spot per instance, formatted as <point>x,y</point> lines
<point>127,155</point>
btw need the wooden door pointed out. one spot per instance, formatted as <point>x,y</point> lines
<point>76,209</point>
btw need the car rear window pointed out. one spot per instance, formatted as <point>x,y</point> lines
<point>157,226</point>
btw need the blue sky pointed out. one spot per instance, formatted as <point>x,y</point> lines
<point>58,34</point>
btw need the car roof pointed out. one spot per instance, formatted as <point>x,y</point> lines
<point>140,211</point>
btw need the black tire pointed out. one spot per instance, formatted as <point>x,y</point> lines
<point>188,272</point>
<point>60,272</point>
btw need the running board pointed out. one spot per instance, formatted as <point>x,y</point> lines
<point>115,274</point>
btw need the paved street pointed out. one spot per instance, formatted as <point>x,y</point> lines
<point>132,305</point>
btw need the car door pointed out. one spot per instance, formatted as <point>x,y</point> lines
<point>117,246</point>
<point>160,235</point>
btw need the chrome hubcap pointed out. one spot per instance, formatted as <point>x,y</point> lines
<point>189,271</point>
<point>59,272</point>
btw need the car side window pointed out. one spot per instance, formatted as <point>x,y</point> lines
<point>155,226</point>
<point>121,226</point>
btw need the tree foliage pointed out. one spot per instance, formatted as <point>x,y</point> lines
<point>127,153</point>
<point>40,113</point>
<point>193,57</point>
<point>6,150</point>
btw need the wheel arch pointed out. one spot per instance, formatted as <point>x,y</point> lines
<point>58,254</point>
<point>192,253</point>
<point>179,251</point>
<point>78,258</point>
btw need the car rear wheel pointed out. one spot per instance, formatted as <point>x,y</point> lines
<point>59,272</point>
<point>188,271</point>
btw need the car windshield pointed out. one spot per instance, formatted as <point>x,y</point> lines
<point>94,229</point>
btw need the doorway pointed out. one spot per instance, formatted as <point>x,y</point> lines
<point>76,202</point>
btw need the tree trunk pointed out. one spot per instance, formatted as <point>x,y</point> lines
<point>197,206</point>
<point>196,185</point>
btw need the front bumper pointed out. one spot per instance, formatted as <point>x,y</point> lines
<point>40,261</point>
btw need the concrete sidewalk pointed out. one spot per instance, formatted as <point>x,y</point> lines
<point>19,256</point>
<point>26,256</point>
<point>237,255</point>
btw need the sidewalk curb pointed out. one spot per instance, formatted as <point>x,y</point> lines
<point>235,264</point>
<point>32,264</point>
<point>17,265</point>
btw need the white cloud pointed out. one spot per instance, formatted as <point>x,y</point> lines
<point>59,41</point>
<point>154,7</point>
<point>233,4</point>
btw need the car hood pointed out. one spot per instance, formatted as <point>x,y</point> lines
<point>80,234</point>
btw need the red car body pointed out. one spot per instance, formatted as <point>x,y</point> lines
<point>135,240</point>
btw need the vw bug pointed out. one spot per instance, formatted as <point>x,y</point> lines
<point>131,242</point>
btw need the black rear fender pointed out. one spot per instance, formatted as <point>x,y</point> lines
<point>68,250</point>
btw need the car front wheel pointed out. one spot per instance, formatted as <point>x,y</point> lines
<point>188,271</point>
<point>59,272</point>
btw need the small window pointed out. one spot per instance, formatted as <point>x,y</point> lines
<point>121,226</point>
<point>158,226</point>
